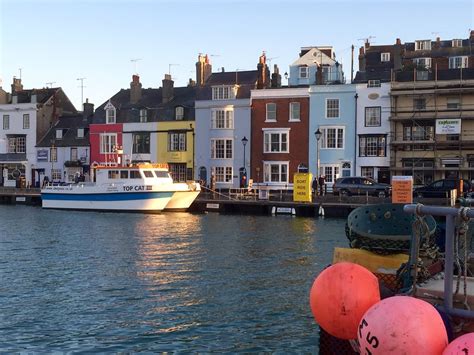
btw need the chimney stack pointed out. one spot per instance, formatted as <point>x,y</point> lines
<point>167,89</point>
<point>398,42</point>
<point>203,69</point>
<point>361,59</point>
<point>263,72</point>
<point>471,35</point>
<point>276,77</point>
<point>88,109</point>
<point>16,86</point>
<point>135,89</point>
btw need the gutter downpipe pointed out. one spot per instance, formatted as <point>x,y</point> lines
<point>356,96</point>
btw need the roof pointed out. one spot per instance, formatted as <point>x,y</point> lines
<point>151,100</point>
<point>365,76</point>
<point>246,81</point>
<point>69,124</point>
<point>314,56</point>
<point>42,95</point>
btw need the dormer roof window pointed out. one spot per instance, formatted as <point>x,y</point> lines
<point>224,92</point>
<point>423,45</point>
<point>179,113</point>
<point>110,113</point>
<point>303,72</point>
<point>59,134</point>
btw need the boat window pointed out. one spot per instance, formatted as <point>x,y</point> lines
<point>161,173</point>
<point>148,174</point>
<point>124,174</point>
<point>135,174</point>
<point>114,174</point>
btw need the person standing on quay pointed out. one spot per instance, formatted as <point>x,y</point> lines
<point>321,182</point>
<point>314,186</point>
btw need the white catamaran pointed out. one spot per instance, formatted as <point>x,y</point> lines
<point>136,188</point>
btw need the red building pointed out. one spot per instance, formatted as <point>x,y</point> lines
<point>280,135</point>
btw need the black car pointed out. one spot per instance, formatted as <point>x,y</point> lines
<point>441,188</point>
<point>359,185</point>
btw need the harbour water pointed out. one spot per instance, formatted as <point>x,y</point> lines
<point>104,282</point>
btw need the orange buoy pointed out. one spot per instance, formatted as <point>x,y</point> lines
<point>340,295</point>
<point>402,325</point>
<point>462,345</point>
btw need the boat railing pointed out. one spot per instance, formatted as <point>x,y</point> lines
<point>450,214</point>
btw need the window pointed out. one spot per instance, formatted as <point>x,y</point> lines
<point>179,113</point>
<point>372,116</point>
<point>221,148</point>
<point>419,104</point>
<point>141,143</point>
<point>109,113</point>
<point>113,174</point>
<point>372,146</point>
<point>107,142</point>
<point>385,57</point>
<point>424,63</point>
<point>56,174</point>
<point>223,173</point>
<point>17,144</point>
<point>457,43</point>
<point>373,84</point>
<point>178,172</point>
<point>124,174</point>
<point>222,92</point>
<point>331,172</point>
<point>418,133</point>
<point>332,108</point>
<point>367,171</point>
<point>53,154</point>
<point>59,134</point>
<point>421,170</point>
<point>458,62</point>
<point>294,111</point>
<point>135,174</point>
<point>73,154</point>
<point>148,174</point>
<point>423,45</point>
<point>332,138</point>
<point>275,142</point>
<point>26,121</point>
<point>304,72</point>
<point>275,171</point>
<point>453,103</point>
<point>6,122</point>
<point>176,141</point>
<point>271,112</point>
<point>422,75</point>
<point>222,119</point>
<point>80,133</point>
<point>143,115</point>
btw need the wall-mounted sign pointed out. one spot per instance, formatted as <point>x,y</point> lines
<point>448,126</point>
<point>373,96</point>
<point>42,155</point>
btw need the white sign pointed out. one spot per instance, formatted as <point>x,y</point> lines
<point>448,126</point>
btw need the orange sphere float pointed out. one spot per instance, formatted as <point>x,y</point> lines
<point>402,325</point>
<point>461,346</point>
<point>340,295</point>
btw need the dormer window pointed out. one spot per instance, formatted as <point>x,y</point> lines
<point>110,113</point>
<point>304,72</point>
<point>457,43</point>
<point>223,92</point>
<point>80,133</point>
<point>59,134</point>
<point>385,57</point>
<point>423,45</point>
<point>179,113</point>
<point>143,115</point>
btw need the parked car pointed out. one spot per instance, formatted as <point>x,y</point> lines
<point>359,185</point>
<point>441,188</point>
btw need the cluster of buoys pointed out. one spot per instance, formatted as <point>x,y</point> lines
<point>345,301</point>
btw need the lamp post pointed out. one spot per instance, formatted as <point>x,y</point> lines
<point>318,137</point>
<point>244,143</point>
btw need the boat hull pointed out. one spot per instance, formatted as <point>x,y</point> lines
<point>133,201</point>
<point>181,200</point>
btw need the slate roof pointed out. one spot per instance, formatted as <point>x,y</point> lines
<point>247,81</point>
<point>69,124</point>
<point>151,100</point>
<point>364,76</point>
<point>42,95</point>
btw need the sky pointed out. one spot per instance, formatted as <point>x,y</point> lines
<point>56,42</point>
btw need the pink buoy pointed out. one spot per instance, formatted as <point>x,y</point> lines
<point>461,346</point>
<point>340,296</point>
<point>402,325</point>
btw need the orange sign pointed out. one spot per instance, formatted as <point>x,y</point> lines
<point>402,189</point>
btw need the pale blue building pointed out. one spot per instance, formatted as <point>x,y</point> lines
<point>333,112</point>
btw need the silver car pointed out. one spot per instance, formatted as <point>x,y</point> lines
<point>359,185</point>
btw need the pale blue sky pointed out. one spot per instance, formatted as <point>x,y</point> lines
<point>60,41</point>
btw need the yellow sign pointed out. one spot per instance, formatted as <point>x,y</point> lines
<point>302,187</point>
<point>402,189</point>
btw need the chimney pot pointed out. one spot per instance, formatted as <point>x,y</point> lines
<point>398,42</point>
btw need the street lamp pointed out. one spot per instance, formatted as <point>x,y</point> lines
<point>318,137</point>
<point>244,143</point>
